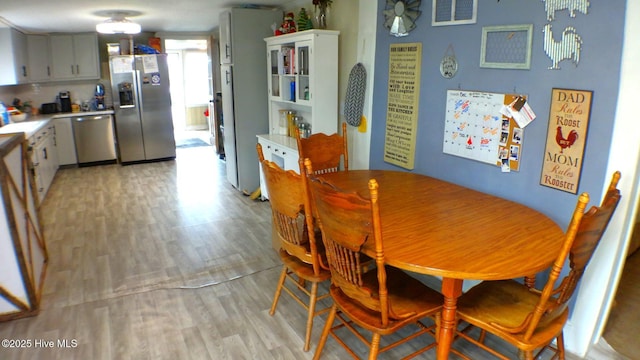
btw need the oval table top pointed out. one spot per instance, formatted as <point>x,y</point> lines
<point>434,227</point>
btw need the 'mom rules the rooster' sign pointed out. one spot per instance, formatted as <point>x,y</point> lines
<point>566,137</point>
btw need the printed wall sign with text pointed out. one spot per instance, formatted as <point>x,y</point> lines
<point>566,138</point>
<point>403,100</point>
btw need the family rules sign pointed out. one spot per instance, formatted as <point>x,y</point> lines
<point>402,104</point>
<point>566,138</point>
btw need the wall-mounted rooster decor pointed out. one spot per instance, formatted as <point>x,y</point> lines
<point>551,6</point>
<point>568,48</point>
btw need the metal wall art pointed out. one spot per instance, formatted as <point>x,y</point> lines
<point>568,48</point>
<point>400,16</point>
<point>551,6</point>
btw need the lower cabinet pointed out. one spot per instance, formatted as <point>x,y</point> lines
<point>44,159</point>
<point>65,143</point>
<point>23,255</point>
<point>280,149</point>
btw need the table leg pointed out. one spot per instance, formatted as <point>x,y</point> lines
<point>451,289</point>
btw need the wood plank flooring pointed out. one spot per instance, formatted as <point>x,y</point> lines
<point>164,261</point>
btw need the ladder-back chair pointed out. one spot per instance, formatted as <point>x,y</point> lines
<point>299,250</point>
<point>528,318</point>
<point>324,151</point>
<point>382,300</point>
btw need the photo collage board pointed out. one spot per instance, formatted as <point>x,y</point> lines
<point>478,127</point>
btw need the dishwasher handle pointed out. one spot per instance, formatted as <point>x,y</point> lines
<point>99,117</point>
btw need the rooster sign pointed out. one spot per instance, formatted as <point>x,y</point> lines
<point>566,137</point>
<point>565,142</point>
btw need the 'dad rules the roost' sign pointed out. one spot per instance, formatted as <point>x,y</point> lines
<point>566,137</point>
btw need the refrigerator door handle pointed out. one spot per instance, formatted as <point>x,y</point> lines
<point>137,91</point>
<point>227,74</point>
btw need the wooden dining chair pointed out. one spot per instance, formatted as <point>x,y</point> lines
<point>299,250</point>
<point>382,300</point>
<point>528,318</point>
<point>325,151</point>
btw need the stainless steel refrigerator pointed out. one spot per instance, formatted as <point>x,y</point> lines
<point>142,106</point>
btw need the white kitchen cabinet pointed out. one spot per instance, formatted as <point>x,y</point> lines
<point>13,67</point>
<point>314,97</point>
<point>281,150</point>
<point>308,84</point>
<point>44,159</point>
<point>23,251</point>
<point>225,38</point>
<point>65,143</point>
<point>74,56</point>
<point>38,56</point>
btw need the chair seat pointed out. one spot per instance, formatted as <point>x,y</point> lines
<point>408,296</point>
<point>302,269</point>
<point>507,303</point>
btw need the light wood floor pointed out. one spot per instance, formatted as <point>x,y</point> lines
<point>164,261</point>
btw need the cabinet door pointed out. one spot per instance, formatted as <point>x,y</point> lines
<point>274,66</point>
<point>62,57</point>
<point>74,57</point>
<point>303,67</point>
<point>225,38</point>
<point>85,50</point>
<point>65,144</point>
<point>38,55</point>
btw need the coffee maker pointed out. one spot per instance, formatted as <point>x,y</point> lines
<point>99,97</point>
<point>65,101</point>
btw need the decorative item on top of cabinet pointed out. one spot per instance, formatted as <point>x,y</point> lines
<point>25,262</point>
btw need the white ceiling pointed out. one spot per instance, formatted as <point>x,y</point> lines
<point>45,16</point>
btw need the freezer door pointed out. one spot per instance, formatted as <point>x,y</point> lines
<point>229,131</point>
<point>126,108</point>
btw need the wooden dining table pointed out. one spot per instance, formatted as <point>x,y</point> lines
<point>434,227</point>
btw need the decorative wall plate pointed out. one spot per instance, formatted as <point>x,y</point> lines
<point>400,16</point>
<point>448,66</point>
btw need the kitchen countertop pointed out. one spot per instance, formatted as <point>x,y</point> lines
<point>34,123</point>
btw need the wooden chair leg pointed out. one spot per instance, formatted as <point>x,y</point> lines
<point>283,276</point>
<point>312,309</point>
<point>375,345</point>
<point>325,332</point>
<point>560,346</point>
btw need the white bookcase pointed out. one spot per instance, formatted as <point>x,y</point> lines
<point>308,59</point>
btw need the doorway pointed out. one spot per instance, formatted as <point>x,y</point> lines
<point>191,89</point>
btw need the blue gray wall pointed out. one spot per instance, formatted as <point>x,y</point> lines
<point>598,70</point>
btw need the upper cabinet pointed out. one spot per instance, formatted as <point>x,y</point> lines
<point>38,54</point>
<point>75,56</point>
<point>13,67</point>
<point>302,72</point>
<point>225,37</point>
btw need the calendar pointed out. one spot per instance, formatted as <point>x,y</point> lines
<point>476,128</point>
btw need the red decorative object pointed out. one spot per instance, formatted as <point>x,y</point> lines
<point>288,25</point>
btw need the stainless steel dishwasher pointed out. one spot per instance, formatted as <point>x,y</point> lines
<point>94,138</point>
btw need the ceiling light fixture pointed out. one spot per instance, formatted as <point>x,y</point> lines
<point>118,24</point>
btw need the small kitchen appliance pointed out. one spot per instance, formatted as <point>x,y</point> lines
<point>99,96</point>
<point>65,101</point>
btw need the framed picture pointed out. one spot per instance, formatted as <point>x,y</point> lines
<point>506,46</point>
<point>453,12</point>
<point>566,139</point>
